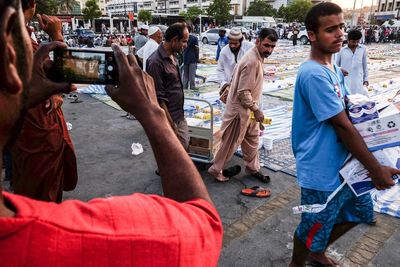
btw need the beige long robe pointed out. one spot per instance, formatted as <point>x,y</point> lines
<point>237,128</point>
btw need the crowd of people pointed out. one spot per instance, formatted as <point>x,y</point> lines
<point>182,227</point>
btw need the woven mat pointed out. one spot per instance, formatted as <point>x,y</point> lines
<point>279,159</point>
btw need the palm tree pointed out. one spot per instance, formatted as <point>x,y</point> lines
<point>66,6</point>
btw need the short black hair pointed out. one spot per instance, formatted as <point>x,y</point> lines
<point>268,33</point>
<point>354,35</point>
<point>174,30</point>
<point>320,10</point>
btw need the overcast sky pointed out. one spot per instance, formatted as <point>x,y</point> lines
<point>350,3</point>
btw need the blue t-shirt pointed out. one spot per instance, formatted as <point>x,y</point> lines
<point>222,41</point>
<point>318,96</point>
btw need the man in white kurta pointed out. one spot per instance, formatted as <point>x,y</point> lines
<point>231,54</point>
<point>353,59</point>
<point>155,39</point>
<point>237,128</point>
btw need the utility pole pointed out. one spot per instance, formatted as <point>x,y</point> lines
<point>370,12</point>
<point>126,15</point>
<point>200,18</point>
<point>353,16</point>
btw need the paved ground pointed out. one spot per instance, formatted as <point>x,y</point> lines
<point>258,232</point>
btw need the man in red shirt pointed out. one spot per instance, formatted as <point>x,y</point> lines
<point>44,162</point>
<point>181,229</point>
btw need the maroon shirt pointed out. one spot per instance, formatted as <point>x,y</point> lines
<point>168,82</point>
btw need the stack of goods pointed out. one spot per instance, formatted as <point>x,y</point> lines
<point>360,109</point>
<point>379,126</point>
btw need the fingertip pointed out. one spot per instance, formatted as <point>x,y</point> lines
<point>109,89</point>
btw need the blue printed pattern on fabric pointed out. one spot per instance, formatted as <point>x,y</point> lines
<point>387,201</point>
<point>344,207</point>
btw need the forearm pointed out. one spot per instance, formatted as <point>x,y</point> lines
<point>180,179</point>
<point>357,147</point>
<point>246,100</point>
<point>57,37</point>
<point>365,67</point>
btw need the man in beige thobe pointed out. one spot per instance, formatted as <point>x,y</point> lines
<point>237,127</point>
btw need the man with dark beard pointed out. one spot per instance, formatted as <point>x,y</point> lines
<point>244,95</point>
<point>231,55</point>
<point>182,228</point>
<point>162,65</point>
<point>44,163</point>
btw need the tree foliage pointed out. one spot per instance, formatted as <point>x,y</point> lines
<point>91,11</point>
<point>219,10</point>
<point>192,13</point>
<point>260,8</point>
<point>296,11</point>
<point>49,7</point>
<point>281,13</point>
<point>145,16</point>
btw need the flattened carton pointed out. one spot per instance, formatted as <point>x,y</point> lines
<point>381,133</point>
<point>357,176</point>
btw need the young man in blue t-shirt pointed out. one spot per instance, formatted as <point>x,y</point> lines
<point>322,137</point>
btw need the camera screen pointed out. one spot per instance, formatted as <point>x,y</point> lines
<point>84,66</point>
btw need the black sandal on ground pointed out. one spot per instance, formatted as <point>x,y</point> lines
<point>232,171</point>
<point>263,178</point>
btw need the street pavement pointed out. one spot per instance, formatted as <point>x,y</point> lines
<point>257,232</point>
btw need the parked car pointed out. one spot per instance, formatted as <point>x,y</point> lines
<point>211,36</point>
<point>84,34</point>
<point>302,36</point>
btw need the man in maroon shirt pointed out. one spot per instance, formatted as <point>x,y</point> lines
<point>181,229</point>
<point>44,162</point>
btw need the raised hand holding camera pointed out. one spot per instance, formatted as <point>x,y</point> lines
<point>135,92</point>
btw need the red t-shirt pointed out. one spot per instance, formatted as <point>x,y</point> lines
<point>136,230</point>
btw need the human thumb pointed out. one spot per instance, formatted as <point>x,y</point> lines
<point>110,89</point>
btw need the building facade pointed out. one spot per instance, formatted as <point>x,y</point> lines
<point>102,4</point>
<point>123,7</point>
<point>387,9</point>
<point>174,7</point>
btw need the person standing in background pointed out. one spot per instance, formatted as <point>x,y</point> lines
<point>222,41</point>
<point>353,60</point>
<point>190,59</point>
